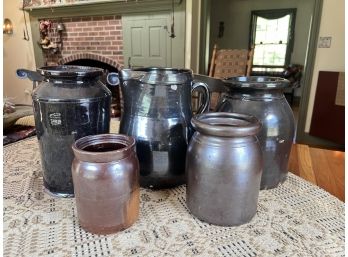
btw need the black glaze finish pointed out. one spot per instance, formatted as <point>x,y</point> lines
<point>157,113</point>
<point>263,97</point>
<point>69,104</point>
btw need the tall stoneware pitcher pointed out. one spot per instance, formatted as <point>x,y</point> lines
<point>157,113</point>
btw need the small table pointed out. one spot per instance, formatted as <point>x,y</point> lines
<point>295,219</point>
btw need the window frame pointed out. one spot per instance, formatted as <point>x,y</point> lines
<point>274,14</point>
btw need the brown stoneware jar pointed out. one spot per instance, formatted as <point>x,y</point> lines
<point>263,97</point>
<point>224,168</point>
<point>106,182</point>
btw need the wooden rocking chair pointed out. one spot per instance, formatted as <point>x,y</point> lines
<point>228,63</point>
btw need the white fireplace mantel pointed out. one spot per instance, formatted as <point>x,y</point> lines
<point>99,7</point>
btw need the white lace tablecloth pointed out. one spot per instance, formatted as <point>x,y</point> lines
<point>295,219</point>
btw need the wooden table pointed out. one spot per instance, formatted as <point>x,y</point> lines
<point>322,167</point>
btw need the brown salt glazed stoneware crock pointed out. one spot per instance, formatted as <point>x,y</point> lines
<point>106,182</point>
<point>224,168</point>
<point>263,97</point>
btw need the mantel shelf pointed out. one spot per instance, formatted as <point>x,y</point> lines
<point>101,7</point>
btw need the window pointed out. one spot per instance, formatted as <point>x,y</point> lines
<point>272,35</point>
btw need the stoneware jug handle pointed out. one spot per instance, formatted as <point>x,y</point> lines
<point>206,96</point>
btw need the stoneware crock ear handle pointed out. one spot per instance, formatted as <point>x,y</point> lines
<point>206,96</point>
<point>113,79</point>
<point>32,75</point>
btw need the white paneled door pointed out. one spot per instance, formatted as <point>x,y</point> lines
<point>146,41</point>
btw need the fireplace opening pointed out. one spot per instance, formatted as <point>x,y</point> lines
<point>93,63</point>
<point>115,103</point>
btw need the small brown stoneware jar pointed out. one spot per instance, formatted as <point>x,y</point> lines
<point>106,182</point>
<point>224,168</point>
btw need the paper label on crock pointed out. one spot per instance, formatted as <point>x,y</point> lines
<point>272,132</point>
<point>55,119</point>
<point>160,161</point>
<point>160,91</point>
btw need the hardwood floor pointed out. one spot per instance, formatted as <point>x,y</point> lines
<point>321,167</point>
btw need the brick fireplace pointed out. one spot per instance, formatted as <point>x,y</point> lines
<point>97,38</point>
<point>93,33</point>
<point>89,41</point>
<point>94,28</point>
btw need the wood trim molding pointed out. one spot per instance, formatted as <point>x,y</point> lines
<point>301,136</point>
<point>117,7</point>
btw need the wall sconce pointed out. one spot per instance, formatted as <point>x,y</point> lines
<point>60,27</point>
<point>7,27</point>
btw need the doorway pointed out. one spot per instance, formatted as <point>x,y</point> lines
<point>230,28</point>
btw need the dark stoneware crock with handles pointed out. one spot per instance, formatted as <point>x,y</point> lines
<point>70,102</point>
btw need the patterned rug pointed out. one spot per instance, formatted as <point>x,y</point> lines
<point>295,219</point>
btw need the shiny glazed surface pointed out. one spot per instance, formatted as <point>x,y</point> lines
<point>65,109</point>
<point>106,182</point>
<point>269,105</point>
<point>157,113</point>
<point>224,167</point>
